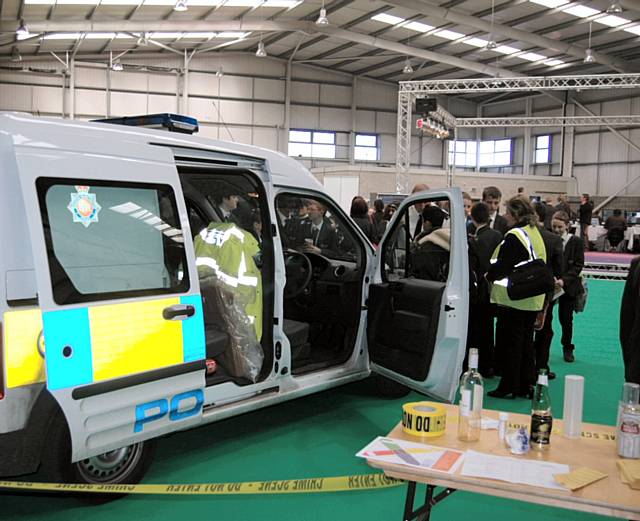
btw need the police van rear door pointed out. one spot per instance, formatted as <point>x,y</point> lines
<point>117,286</point>
<point>418,301</point>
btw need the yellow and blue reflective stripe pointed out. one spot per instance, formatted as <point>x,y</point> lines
<point>68,340</point>
<point>193,339</point>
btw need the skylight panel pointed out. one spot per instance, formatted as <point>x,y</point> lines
<point>418,26</point>
<point>532,56</point>
<point>581,11</point>
<point>387,19</point>
<point>449,35</point>
<point>633,30</point>
<point>554,62</point>
<point>232,35</point>
<point>121,2</point>
<point>62,36</point>
<point>476,42</point>
<point>551,4</point>
<point>505,49</point>
<point>612,21</point>
<point>165,36</point>
<point>39,2</point>
<point>77,2</point>
<point>199,35</point>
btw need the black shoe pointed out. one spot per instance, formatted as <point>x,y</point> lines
<point>551,375</point>
<point>498,393</point>
<point>568,356</point>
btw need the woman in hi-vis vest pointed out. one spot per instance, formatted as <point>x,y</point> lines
<point>514,326</point>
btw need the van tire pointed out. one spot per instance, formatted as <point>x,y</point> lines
<point>123,466</point>
<point>387,388</point>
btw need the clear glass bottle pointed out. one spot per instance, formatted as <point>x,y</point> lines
<point>630,395</point>
<point>628,437</point>
<point>471,396</point>
<point>541,417</point>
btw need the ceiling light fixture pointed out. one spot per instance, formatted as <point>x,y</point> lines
<point>261,52</point>
<point>117,66</point>
<point>491,44</point>
<point>588,54</point>
<point>219,72</point>
<point>22,33</point>
<point>181,5</point>
<point>614,7</point>
<point>15,55</point>
<point>407,69</point>
<point>143,40</point>
<point>322,18</point>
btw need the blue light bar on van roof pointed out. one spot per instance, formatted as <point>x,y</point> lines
<point>170,122</point>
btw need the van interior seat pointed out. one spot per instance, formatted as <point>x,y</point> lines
<point>217,340</point>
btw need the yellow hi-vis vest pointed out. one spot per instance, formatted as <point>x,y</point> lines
<point>529,237</point>
<point>226,252</point>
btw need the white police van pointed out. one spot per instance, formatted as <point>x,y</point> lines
<point>105,342</point>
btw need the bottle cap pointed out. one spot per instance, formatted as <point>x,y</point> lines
<point>473,358</point>
<point>630,393</point>
<point>504,416</point>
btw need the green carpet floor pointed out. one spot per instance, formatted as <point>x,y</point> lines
<point>319,435</point>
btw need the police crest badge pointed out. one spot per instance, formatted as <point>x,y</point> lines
<point>84,206</point>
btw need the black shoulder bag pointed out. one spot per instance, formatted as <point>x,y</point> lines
<point>530,278</point>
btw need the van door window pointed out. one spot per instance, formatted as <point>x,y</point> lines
<point>324,260</point>
<point>109,240</point>
<point>235,270</point>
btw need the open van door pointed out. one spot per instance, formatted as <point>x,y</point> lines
<point>122,316</point>
<point>418,301</point>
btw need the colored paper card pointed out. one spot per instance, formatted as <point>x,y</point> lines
<point>579,478</point>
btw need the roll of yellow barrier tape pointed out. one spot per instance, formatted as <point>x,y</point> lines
<point>425,419</point>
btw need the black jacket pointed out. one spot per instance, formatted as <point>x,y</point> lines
<point>327,239</point>
<point>368,227</point>
<point>573,262</point>
<point>500,224</point>
<point>586,212</point>
<point>487,241</point>
<point>553,246</point>
<point>630,324</point>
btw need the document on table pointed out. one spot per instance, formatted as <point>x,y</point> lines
<point>400,452</point>
<point>513,470</point>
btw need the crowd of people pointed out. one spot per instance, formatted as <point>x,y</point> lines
<point>513,336</point>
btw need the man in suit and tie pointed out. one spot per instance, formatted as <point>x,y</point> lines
<point>226,201</point>
<point>573,262</point>
<point>415,218</point>
<point>491,196</point>
<point>553,245</point>
<point>481,311</point>
<point>318,233</point>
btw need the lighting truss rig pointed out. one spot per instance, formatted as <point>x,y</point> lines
<point>410,90</point>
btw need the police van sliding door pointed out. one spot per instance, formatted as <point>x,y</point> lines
<point>418,302</point>
<point>122,315</point>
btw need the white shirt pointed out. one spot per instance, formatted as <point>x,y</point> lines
<point>566,236</point>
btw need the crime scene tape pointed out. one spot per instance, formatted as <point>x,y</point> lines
<point>427,419</point>
<point>283,486</point>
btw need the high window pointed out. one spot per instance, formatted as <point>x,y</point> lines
<point>495,152</point>
<point>312,143</point>
<point>465,153</point>
<point>543,149</point>
<point>366,148</point>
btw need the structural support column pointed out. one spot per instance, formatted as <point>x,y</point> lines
<point>526,153</point>
<point>108,92</point>
<point>287,109</point>
<point>403,145</point>
<point>72,89</point>
<point>479,113</point>
<point>185,85</point>
<point>568,136</point>
<point>352,134</point>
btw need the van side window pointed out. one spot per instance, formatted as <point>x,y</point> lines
<point>110,240</point>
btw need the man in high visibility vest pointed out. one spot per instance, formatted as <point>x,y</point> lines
<point>226,261</point>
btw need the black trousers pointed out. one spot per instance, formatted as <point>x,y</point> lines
<point>481,335</point>
<point>566,305</point>
<point>542,341</point>
<point>514,343</point>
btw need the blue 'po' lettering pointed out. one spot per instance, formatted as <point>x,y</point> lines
<point>141,413</point>
<point>152,411</point>
<point>176,414</point>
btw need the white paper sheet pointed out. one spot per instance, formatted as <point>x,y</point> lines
<point>418,455</point>
<point>513,470</point>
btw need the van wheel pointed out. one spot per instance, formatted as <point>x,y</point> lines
<point>126,465</point>
<point>390,388</point>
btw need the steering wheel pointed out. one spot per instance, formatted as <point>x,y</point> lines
<point>299,271</point>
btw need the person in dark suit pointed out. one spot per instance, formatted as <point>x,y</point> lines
<point>586,213</point>
<point>415,219</point>
<point>553,247</point>
<point>630,324</point>
<point>226,203</point>
<point>563,206</point>
<point>481,312</point>
<point>318,233</point>
<point>573,262</point>
<point>491,196</point>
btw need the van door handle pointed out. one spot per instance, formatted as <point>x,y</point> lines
<point>178,312</point>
